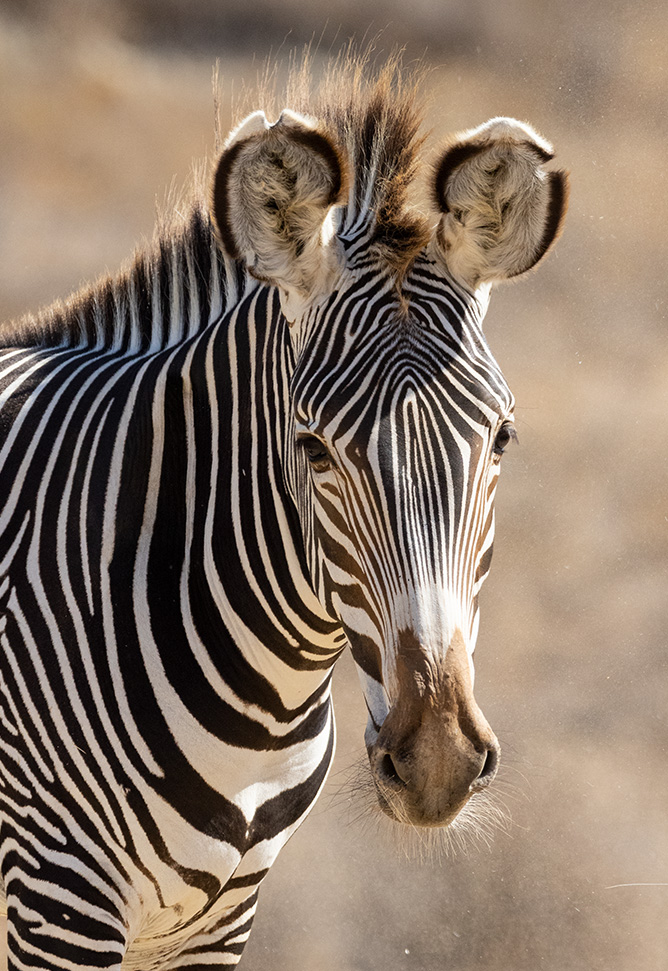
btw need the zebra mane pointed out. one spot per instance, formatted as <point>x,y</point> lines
<point>171,287</point>
<point>166,293</point>
<point>375,115</point>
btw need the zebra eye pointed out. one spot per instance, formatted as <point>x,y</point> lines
<point>316,452</point>
<point>505,435</point>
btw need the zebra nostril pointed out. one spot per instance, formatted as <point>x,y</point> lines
<point>488,770</point>
<point>388,771</point>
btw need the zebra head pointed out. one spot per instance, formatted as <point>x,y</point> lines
<point>399,414</point>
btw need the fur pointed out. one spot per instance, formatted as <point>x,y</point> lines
<point>501,210</point>
<point>271,193</point>
<point>368,129</point>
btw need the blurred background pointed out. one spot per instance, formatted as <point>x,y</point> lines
<point>102,104</point>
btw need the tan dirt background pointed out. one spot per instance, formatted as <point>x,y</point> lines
<point>101,104</point>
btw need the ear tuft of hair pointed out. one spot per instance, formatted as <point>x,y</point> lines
<point>272,190</point>
<point>501,210</point>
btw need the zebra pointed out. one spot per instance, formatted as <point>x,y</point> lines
<point>275,433</point>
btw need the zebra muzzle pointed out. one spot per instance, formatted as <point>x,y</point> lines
<point>435,748</point>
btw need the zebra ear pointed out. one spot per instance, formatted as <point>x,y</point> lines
<point>501,210</point>
<point>272,191</point>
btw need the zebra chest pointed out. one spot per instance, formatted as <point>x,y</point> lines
<point>205,876</point>
<point>184,857</point>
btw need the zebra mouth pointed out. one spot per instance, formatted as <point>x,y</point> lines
<point>430,791</point>
<point>403,804</point>
<point>400,805</point>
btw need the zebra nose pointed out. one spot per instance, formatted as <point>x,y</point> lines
<point>399,769</point>
<point>427,776</point>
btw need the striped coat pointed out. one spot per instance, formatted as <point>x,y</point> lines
<point>277,433</point>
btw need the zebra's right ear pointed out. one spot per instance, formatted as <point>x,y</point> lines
<point>273,189</point>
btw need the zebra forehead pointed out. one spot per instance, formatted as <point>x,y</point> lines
<point>395,361</point>
<point>350,398</point>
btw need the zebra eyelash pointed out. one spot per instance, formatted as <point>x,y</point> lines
<point>506,434</point>
<point>317,453</point>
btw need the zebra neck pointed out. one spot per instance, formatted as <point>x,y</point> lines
<point>220,574</point>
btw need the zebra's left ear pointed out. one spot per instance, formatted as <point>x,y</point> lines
<point>502,210</point>
<point>273,189</point>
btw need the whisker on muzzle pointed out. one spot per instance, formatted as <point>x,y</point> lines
<point>484,816</point>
